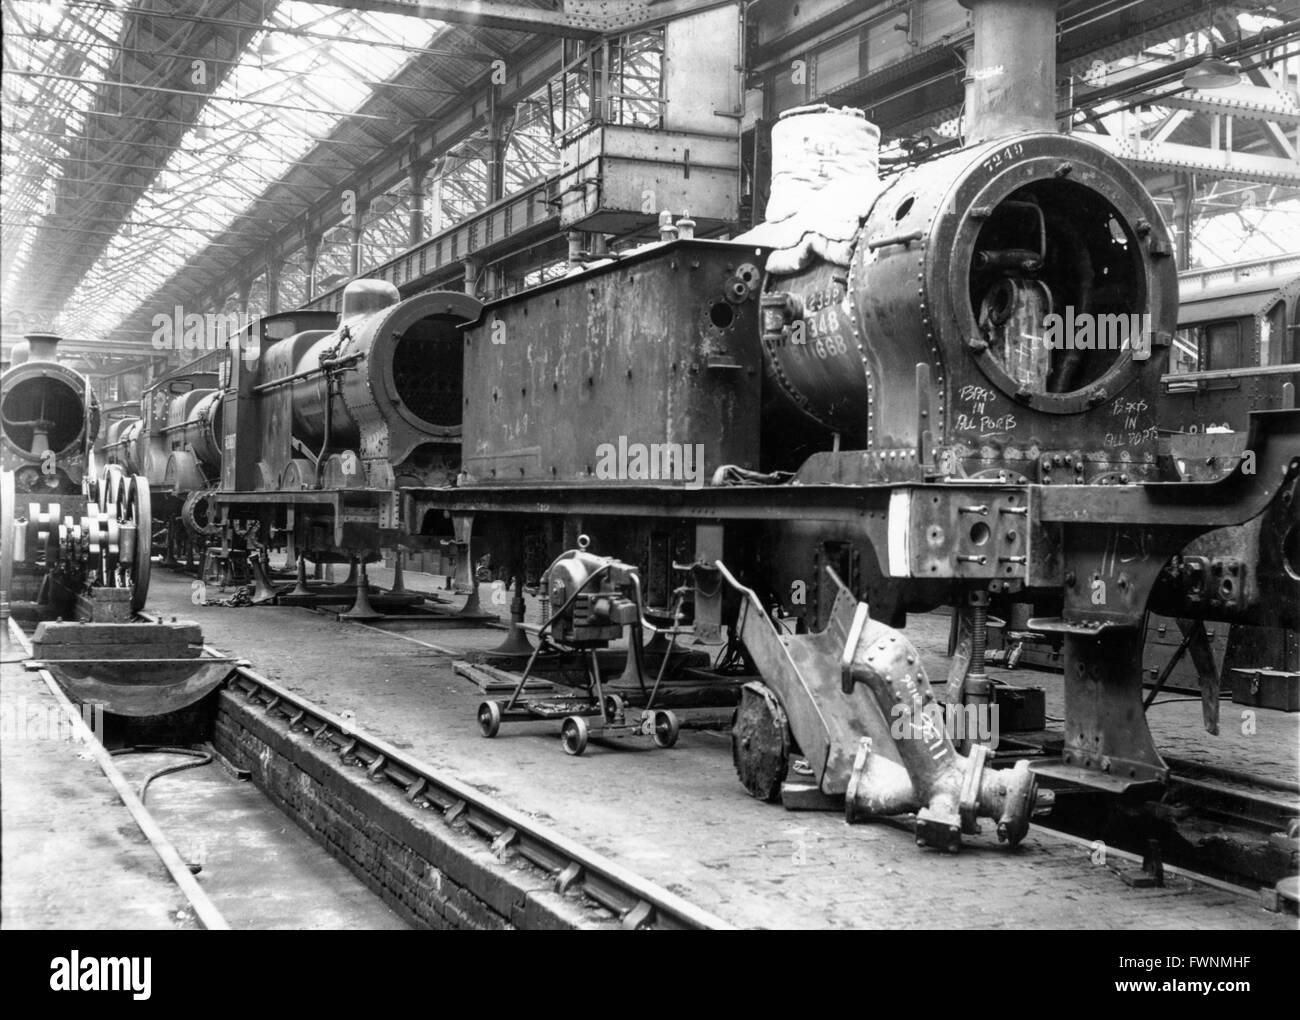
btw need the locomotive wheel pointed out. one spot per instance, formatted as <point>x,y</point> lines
<point>489,718</point>
<point>666,729</point>
<point>573,735</point>
<point>760,743</point>
<point>137,508</point>
<point>110,486</point>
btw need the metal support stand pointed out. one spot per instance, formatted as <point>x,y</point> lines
<point>1103,701</point>
<point>399,579</point>
<point>263,590</point>
<point>516,642</point>
<point>301,588</point>
<point>362,611</point>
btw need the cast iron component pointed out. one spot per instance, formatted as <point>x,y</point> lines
<point>953,791</point>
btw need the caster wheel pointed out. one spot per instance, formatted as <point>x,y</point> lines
<point>489,718</point>
<point>666,729</point>
<point>573,735</point>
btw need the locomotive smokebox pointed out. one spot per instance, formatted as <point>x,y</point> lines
<point>385,385</point>
<point>47,411</point>
<point>1003,309</point>
<point>1011,69</point>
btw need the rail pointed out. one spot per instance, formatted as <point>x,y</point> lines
<point>637,902</point>
<point>1217,374</point>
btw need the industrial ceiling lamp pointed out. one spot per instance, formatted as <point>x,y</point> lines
<point>1213,72</point>
<point>272,46</point>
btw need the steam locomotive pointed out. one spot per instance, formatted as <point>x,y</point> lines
<point>879,392</point>
<point>174,442</point>
<point>882,397</point>
<point>72,547</point>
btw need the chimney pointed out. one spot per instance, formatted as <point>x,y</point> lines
<point>1011,69</point>
<point>365,296</point>
<point>42,346</point>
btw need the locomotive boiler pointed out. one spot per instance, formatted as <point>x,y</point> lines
<point>175,442</point>
<point>940,386</point>
<point>70,547</point>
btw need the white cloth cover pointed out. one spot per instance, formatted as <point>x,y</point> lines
<point>825,177</point>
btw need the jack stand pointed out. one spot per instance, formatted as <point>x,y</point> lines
<point>301,587</point>
<point>362,611</point>
<point>351,580</point>
<point>968,680</point>
<point>516,642</point>
<point>399,579</point>
<point>263,590</point>
<point>632,676</point>
<point>978,686</point>
<point>472,606</point>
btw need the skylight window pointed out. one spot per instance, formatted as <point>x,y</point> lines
<point>266,116</point>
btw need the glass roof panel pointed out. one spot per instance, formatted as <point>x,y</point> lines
<point>53,69</point>
<point>271,110</point>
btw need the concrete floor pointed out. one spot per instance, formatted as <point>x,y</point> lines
<point>74,858</point>
<point>258,867</point>
<point>1260,742</point>
<point>679,816</point>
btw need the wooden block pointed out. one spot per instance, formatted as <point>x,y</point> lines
<point>491,680</point>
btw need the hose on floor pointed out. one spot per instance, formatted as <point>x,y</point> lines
<point>203,758</point>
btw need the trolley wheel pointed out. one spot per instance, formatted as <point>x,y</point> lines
<point>489,718</point>
<point>573,734</point>
<point>613,707</point>
<point>666,728</point>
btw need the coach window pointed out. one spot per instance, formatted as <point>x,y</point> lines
<point>1273,337</point>
<point>1185,354</point>
<point>1221,346</point>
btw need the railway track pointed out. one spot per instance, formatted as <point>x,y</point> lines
<point>1221,823</point>
<point>1217,823</point>
<point>634,901</point>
